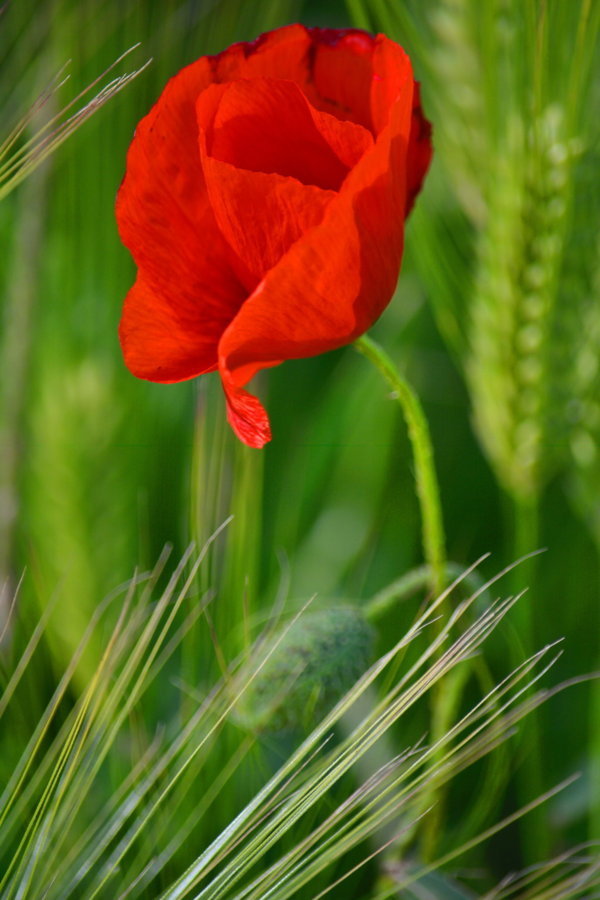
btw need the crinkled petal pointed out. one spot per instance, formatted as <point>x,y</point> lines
<point>260,215</point>
<point>282,53</point>
<point>247,417</point>
<point>332,66</point>
<point>335,281</point>
<point>263,148</point>
<point>165,342</point>
<point>267,125</point>
<point>342,73</point>
<point>186,269</point>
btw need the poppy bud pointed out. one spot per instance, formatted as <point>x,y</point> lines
<point>310,667</point>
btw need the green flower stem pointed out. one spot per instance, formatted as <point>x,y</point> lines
<point>425,476</point>
<point>444,699</point>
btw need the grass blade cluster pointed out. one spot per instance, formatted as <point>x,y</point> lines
<point>20,154</point>
<point>58,840</point>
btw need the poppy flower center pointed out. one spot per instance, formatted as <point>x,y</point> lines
<point>269,126</point>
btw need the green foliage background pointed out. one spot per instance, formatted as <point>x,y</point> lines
<point>496,323</point>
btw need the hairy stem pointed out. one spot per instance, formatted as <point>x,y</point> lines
<point>445,697</point>
<point>425,476</point>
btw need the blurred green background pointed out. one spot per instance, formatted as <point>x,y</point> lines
<point>496,323</point>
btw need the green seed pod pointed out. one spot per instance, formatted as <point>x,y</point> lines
<point>313,664</point>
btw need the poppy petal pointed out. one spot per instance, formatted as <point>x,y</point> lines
<point>335,281</point>
<point>342,74</point>
<point>265,125</point>
<point>282,53</point>
<point>262,214</point>
<point>420,150</point>
<point>247,417</point>
<point>332,66</point>
<point>162,341</point>
<point>243,201</point>
<point>166,221</point>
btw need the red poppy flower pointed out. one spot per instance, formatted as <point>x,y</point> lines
<point>264,204</point>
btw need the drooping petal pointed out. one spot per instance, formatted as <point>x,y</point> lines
<point>335,281</point>
<point>187,280</point>
<point>248,418</point>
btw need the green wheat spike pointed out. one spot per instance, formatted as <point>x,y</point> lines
<point>516,328</point>
<point>77,495</point>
